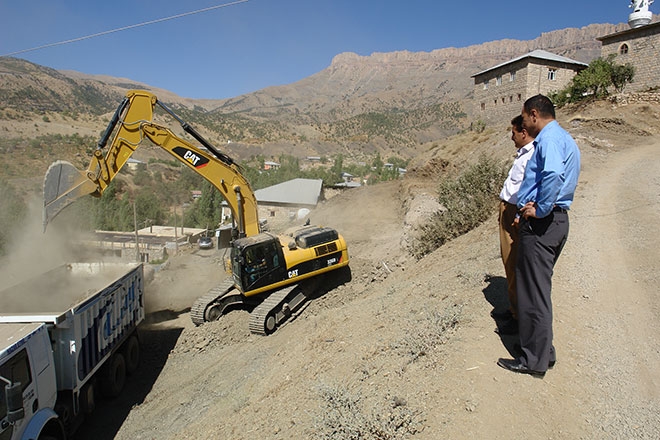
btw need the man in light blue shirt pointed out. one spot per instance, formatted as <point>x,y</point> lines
<point>544,198</point>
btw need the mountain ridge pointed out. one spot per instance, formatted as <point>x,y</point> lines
<point>386,102</point>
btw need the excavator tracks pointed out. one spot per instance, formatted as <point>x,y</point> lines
<point>275,309</point>
<point>210,307</point>
<point>270,313</point>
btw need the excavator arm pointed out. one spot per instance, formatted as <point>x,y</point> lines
<point>132,123</point>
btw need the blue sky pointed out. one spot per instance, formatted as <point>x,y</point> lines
<point>247,46</point>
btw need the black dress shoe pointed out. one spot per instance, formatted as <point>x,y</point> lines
<point>509,327</point>
<point>517,367</point>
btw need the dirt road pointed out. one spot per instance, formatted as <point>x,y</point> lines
<point>407,349</point>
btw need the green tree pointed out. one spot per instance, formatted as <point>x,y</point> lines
<point>205,212</point>
<point>142,176</point>
<point>377,163</point>
<point>148,209</point>
<point>622,75</point>
<point>338,166</point>
<point>595,80</point>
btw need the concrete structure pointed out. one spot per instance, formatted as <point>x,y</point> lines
<point>133,164</point>
<point>638,47</point>
<point>154,242</point>
<point>500,91</point>
<point>268,165</point>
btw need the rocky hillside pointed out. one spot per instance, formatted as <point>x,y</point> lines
<point>386,103</point>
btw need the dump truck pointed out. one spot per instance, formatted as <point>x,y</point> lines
<point>66,336</point>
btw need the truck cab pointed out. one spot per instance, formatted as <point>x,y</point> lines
<point>28,389</point>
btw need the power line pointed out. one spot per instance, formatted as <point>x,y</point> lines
<point>159,20</point>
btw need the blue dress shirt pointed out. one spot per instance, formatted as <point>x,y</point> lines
<point>552,172</point>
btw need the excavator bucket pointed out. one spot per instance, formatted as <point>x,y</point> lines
<point>63,185</point>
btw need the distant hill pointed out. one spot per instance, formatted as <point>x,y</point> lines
<point>387,103</point>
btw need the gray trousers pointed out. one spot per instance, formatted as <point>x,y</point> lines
<point>541,242</point>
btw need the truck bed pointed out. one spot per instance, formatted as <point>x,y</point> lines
<point>61,289</point>
<point>89,309</point>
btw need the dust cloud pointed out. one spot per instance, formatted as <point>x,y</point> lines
<point>28,279</point>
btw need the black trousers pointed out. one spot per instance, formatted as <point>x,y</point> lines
<point>541,242</point>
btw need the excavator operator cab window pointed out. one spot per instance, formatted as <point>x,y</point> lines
<point>260,263</point>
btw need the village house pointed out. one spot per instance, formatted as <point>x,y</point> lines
<point>500,91</point>
<point>269,165</point>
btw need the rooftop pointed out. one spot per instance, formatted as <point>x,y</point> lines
<point>538,54</point>
<point>296,192</point>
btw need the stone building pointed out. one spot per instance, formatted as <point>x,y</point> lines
<point>639,47</point>
<point>500,91</point>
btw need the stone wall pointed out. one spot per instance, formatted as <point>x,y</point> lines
<point>636,98</point>
<point>638,47</point>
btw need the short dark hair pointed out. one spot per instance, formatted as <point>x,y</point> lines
<point>516,123</point>
<point>541,104</point>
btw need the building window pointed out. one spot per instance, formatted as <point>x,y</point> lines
<point>483,106</point>
<point>552,74</point>
<point>499,80</point>
<point>511,98</point>
<point>519,97</point>
<point>503,100</point>
<point>486,85</point>
<point>512,76</point>
<point>495,101</point>
<point>623,49</point>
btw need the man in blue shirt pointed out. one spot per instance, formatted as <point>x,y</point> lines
<point>544,199</point>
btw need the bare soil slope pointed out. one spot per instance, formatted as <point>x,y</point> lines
<point>407,348</point>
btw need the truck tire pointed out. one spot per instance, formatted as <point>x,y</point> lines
<point>113,376</point>
<point>131,352</point>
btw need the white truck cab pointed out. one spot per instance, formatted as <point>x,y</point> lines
<point>28,388</point>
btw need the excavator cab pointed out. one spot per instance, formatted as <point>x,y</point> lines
<point>257,262</point>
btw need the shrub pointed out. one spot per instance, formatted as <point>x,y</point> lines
<point>468,200</point>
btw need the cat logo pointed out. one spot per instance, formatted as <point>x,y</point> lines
<point>191,157</point>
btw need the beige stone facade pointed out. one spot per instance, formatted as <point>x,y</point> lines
<point>639,47</point>
<point>500,91</point>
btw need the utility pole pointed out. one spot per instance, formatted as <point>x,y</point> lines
<point>137,242</point>
<point>176,239</point>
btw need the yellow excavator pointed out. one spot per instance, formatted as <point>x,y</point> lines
<point>272,276</point>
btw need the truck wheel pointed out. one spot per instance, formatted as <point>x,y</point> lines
<point>131,352</point>
<point>113,376</point>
